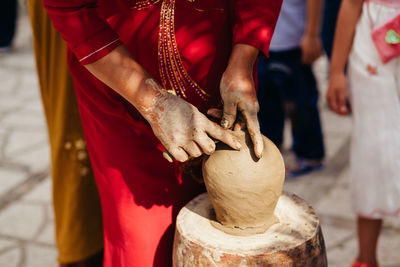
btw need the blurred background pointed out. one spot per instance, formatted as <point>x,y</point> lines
<point>26,216</point>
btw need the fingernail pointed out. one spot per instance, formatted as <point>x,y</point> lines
<point>238,145</point>
<point>224,123</point>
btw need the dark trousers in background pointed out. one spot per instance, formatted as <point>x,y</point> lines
<point>8,17</point>
<point>287,88</point>
<point>330,13</point>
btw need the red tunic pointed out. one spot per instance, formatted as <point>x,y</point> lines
<point>185,45</point>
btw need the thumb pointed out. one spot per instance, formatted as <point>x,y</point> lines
<point>229,115</point>
<point>342,108</point>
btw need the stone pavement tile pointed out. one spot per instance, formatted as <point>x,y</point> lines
<point>9,179</point>
<point>334,124</point>
<point>8,82</point>
<point>332,145</point>
<point>6,244</point>
<point>389,248</point>
<point>18,61</point>
<point>343,255</point>
<point>8,103</point>
<point>29,82</point>
<point>34,105</point>
<point>336,203</point>
<point>21,220</point>
<point>37,160</point>
<point>388,251</point>
<point>20,142</point>
<point>40,256</point>
<point>21,119</point>
<point>47,235</point>
<point>11,258</point>
<point>50,212</point>
<point>311,187</point>
<point>29,94</point>
<point>41,193</point>
<point>3,138</point>
<point>335,234</point>
<point>392,223</point>
<point>344,178</point>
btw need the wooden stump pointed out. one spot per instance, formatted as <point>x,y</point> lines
<point>295,241</point>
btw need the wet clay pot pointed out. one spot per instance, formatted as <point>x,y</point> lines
<point>243,189</point>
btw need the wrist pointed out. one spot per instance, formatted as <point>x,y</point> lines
<point>311,34</point>
<point>335,71</point>
<point>242,58</point>
<point>147,96</point>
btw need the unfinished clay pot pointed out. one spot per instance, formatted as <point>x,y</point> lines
<point>243,189</point>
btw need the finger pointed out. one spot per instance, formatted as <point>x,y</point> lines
<point>240,123</point>
<point>342,108</point>
<point>214,130</point>
<point>215,113</point>
<point>229,115</point>
<point>193,150</point>
<point>253,128</point>
<point>168,156</point>
<point>179,154</point>
<point>332,100</point>
<point>206,144</point>
<point>238,126</point>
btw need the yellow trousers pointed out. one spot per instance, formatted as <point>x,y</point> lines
<point>78,223</point>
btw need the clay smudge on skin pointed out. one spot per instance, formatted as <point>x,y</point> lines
<point>180,126</point>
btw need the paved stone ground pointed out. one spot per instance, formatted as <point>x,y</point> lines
<point>26,227</point>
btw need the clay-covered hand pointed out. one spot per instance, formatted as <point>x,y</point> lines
<point>182,128</point>
<point>336,94</point>
<point>238,94</point>
<point>311,48</point>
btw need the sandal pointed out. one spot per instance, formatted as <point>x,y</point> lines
<point>303,167</point>
<point>361,264</point>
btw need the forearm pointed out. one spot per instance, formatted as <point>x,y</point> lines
<point>349,14</point>
<point>123,74</point>
<point>313,24</point>
<point>243,58</point>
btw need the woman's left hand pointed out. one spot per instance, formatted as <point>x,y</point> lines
<point>238,94</point>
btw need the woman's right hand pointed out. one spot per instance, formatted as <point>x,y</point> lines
<point>182,128</point>
<point>336,94</point>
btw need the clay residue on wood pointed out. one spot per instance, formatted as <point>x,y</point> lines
<point>243,189</point>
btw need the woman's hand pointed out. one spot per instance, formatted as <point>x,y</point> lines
<point>182,128</point>
<point>238,93</point>
<point>336,94</point>
<point>311,48</point>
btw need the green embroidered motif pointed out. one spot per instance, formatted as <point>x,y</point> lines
<point>392,37</point>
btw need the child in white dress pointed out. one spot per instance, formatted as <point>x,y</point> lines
<point>374,89</point>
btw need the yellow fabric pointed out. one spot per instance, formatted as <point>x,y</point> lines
<point>78,223</point>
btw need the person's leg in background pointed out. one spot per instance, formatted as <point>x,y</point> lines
<point>330,13</point>
<point>78,222</point>
<point>272,78</point>
<point>368,234</point>
<point>308,143</point>
<point>8,19</point>
<point>287,88</point>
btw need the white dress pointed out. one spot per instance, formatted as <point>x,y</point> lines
<point>375,101</point>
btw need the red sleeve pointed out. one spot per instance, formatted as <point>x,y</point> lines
<point>87,34</point>
<point>254,22</point>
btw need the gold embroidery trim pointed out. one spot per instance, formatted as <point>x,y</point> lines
<point>172,71</point>
<point>174,76</point>
<point>144,4</point>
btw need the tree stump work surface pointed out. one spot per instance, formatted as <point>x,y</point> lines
<point>295,241</point>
